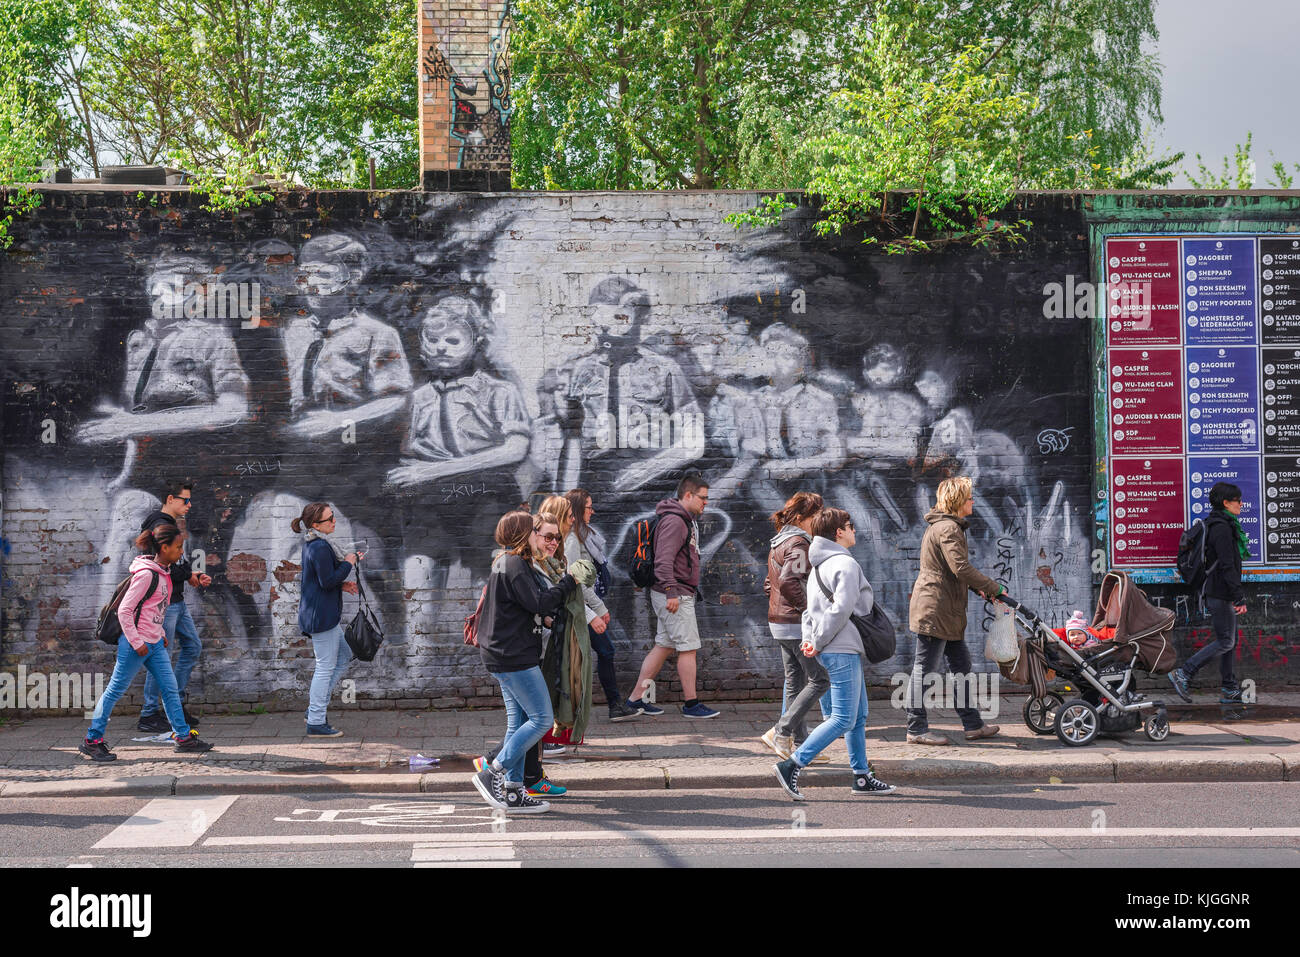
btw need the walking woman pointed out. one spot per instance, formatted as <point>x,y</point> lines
<point>1226,545</point>
<point>786,589</point>
<point>938,608</point>
<point>510,643</point>
<point>581,541</point>
<point>837,590</point>
<point>320,609</point>
<point>141,613</point>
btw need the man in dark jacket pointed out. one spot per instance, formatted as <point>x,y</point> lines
<point>1225,547</point>
<point>176,505</point>
<point>677,580</point>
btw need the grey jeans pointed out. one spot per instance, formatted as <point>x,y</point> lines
<point>806,681</point>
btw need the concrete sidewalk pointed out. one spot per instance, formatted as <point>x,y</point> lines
<point>269,752</point>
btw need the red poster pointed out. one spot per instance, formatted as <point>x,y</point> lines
<point>1142,292</point>
<point>1147,505</point>
<point>1146,401</point>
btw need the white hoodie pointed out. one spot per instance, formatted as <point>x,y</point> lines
<point>826,621</point>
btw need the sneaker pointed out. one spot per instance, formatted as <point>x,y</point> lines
<point>1178,678</point>
<point>191,744</point>
<point>822,757</point>
<point>1230,696</point>
<point>96,750</point>
<point>190,719</point>
<point>787,772</point>
<point>553,750</point>
<point>984,731</point>
<point>323,731</point>
<point>154,723</point>
<point>519,801</point>
<point>782,744</point>
<point>547,788</point>
<point>491,786</point>
<point>699,710</point>
<point>622,711</point>
<point>928,737</point>
<point>869,784</point>
<point>645,707</point>
<point>481,763</point>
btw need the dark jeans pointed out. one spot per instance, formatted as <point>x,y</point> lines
<point>806,681</point>
<point>1224,620</point>
<point>604,649</point>
<point>532,763</point>
<point>928,655</point>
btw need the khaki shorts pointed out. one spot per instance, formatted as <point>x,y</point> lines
<point>677,631</point>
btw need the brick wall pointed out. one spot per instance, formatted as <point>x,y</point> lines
<point>774,361</point>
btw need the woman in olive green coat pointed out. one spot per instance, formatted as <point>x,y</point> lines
<point>937,612</point>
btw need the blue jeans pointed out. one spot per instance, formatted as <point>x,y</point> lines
<point>805,682</point>
<point>1223,617</point>
<point>177,623</point>
<point>848,716</point>
<point>159,666</point>
<point>604,649</point>
<point>333,655</point>
<point>528,718</point>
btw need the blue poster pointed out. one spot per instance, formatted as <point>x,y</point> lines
<point>1222,399</point>
<point>1239,470</point>
<point>1219,291</point>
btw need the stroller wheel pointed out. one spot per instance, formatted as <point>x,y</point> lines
<point>1040,713</point>
<point>1076,723</point>
<point>1157,726</point>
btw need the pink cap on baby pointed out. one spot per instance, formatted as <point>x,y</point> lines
<point>1076,622</point>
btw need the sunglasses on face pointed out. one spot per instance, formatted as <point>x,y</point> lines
<point>550,537</point>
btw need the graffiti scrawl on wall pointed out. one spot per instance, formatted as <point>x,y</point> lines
<point>427,371</point>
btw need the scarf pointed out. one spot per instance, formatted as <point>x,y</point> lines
<point>595,545</point>
<point>567,665</point>
<point>313,534</point>
<point>1243,543</point>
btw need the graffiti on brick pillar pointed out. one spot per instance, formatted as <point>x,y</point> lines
<point>428,372</point>
<point>481,103</point>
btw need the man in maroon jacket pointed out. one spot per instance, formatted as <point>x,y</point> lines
<point>677,580</point>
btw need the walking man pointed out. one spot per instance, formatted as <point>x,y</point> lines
<point>176,506</point>
<point>677,581</point>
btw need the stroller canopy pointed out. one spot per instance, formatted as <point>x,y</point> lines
<point>1126,617</point>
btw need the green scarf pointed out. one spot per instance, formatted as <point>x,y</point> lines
<point>1243,543</point>
<point>567,665</point>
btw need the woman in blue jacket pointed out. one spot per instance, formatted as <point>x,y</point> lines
<point>320,609</point>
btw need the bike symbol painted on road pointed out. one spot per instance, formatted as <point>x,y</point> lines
<point>394,814</point>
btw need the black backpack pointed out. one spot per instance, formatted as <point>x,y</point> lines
<point>107,628</point>
<point>642,571</point>
<point>1191,557</point>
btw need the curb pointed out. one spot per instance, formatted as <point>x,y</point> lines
<point>1053,770</point>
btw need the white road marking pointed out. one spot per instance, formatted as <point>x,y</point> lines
<point>169,822</point>
<point>479,854</point>
<point>771,834</point>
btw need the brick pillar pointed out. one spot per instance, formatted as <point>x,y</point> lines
<point>465,104</point>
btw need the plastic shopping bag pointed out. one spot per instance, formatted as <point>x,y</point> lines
<point>1001,645</point>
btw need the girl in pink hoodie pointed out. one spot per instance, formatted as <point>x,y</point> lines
<point>144,643</point>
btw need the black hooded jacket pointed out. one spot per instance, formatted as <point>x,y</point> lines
<point>1224,582</point>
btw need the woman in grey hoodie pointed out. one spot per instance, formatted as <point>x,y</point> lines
<point>837,590</point>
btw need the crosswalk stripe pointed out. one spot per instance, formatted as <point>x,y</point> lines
<point>169,822</point>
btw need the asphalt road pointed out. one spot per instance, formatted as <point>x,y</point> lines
<point>1101,825</point>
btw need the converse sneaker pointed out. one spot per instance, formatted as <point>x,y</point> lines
<point>787,772</point>
<point>645,707</point>
<point>869,784</point>
<point>553,750</point>
<point>519,801</point>
<point>96,750</point>
<point>491,785</point>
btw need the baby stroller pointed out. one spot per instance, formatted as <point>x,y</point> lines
<point>1135,636</point>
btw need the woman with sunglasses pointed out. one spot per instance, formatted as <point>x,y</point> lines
<point>320,609</point>
<point>837,590</point>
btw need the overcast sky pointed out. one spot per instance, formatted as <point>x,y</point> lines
<point>1230,67</point>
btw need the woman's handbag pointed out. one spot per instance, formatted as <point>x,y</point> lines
<point>875,629</point>
<point>363,635</point>
<point>1001,645</point>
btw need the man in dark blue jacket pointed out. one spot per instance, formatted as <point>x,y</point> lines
<point>1225,547</point>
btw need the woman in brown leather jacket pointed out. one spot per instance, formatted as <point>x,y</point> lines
<point>786,589</point>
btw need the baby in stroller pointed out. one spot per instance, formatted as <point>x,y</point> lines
<point>1076,632</point>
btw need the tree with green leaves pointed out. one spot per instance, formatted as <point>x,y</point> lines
<point>1239,171</point>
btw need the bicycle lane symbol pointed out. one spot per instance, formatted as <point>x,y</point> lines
<point>416,814</point>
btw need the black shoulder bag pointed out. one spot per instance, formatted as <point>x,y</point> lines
<point>363,635</point>
<point>875,629</point>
